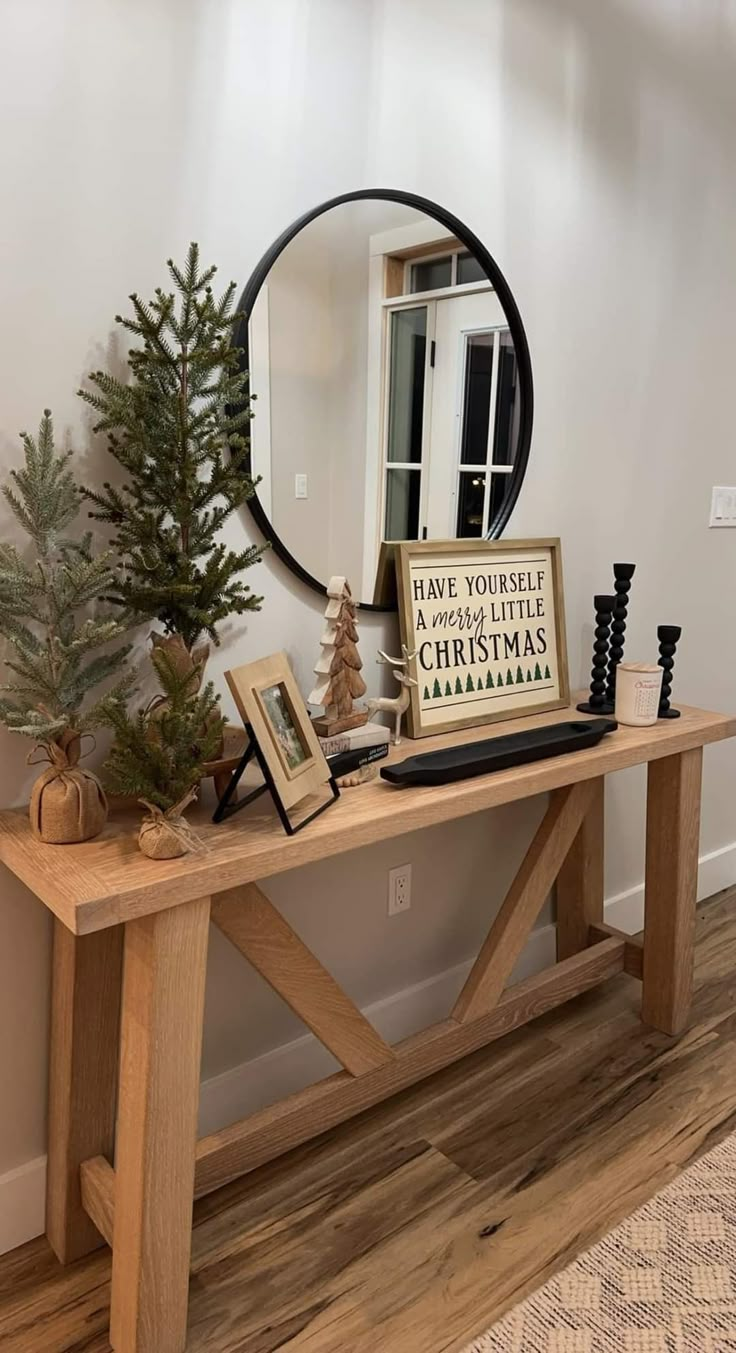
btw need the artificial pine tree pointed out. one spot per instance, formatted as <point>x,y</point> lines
<point>338,667</point>
<point>159,755</point>
<point>55,634</point>
<point>178,428</point>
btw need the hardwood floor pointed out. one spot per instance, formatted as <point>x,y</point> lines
<point>414,1227</point>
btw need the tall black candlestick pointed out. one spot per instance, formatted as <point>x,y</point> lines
<point>597,702</point>
<point>668,636</point>
<point>622,574</point>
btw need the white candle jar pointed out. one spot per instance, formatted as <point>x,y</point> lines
<point>638,691</point>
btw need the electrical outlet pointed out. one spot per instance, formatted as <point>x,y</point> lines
<point>399,889</point>
<point>300,486</point>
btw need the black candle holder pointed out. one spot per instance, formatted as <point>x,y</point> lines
<point>668,636</point>
<point>597,702</point>
<point>622,574</point>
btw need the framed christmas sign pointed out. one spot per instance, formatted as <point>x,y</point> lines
<point>486,621</point>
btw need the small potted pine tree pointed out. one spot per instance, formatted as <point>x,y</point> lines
<point>58,638</point>
<point>159,754</point>
<point>178,429</point>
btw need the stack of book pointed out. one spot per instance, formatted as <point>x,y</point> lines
<point>368,735</point>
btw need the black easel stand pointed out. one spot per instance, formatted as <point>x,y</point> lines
<point>597,702</point>
<point>668,636</point>
<point>227,809</point>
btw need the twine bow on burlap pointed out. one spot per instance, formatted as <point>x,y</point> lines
<point>165,833</point>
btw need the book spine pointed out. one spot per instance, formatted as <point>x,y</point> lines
<point>332,746</point>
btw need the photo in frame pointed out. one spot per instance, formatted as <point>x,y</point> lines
<point>486,619</point>
<point>282,738</point>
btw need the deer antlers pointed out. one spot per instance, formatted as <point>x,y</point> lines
<point>397,662</point>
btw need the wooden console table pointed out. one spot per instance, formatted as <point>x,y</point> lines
<point>130,949</point>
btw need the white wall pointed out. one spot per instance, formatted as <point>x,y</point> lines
<point>591,147</point>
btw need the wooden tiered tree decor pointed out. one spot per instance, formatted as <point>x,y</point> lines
<point>339,682</point>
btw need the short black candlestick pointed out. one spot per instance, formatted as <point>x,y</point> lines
<point>622,575</point>
<point>668,636</point>
<point>597,702</point>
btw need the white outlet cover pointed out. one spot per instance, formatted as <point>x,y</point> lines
<point>723,506</point>
<point>399,882</point>
<point>300,486</point>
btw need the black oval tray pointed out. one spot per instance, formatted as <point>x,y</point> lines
<point>513,749</point>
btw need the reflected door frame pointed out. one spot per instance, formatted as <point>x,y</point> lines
<point>387,294</point>
<point>458,319</point>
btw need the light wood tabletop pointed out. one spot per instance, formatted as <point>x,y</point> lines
<point>108,881</point>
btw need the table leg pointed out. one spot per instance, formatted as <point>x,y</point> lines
<point>579,890</point>
<point>161,1043</point>
<point>83,1071</point>
<point>673,832</point>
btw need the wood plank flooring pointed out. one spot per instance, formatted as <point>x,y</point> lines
<point>414,1227</point>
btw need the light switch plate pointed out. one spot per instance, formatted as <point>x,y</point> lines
<point>300,486</point>
<point>723,507</point>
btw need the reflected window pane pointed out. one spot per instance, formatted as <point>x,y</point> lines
<point>469,269</point>
<point>471,493</point>
<point>402,504</point>
<point>406,384</point>
<point>499,488</point>
<point>507,404</point>
<point>434,273</point>
<point>477,401</point>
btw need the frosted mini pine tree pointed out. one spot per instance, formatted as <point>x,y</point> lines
<point>58,638</point>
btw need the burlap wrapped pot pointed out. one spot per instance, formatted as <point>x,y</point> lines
<point>166,835</point>
<point>68,803</point>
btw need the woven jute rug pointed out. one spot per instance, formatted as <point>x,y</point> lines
<point>664,1281</point>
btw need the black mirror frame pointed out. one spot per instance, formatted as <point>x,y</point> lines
<point>521,346</point>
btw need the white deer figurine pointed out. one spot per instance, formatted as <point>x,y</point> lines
<point>398,704</point>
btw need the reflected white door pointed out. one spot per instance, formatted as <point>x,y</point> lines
<point>471,433</point>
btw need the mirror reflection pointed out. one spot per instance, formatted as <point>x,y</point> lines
<point>387,390</point>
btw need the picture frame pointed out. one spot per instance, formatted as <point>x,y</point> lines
<point>486,621</point>
<point>281,738</point>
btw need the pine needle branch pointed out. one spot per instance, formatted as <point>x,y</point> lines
<point>52,612</point>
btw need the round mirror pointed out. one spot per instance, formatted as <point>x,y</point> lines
<point>393,387</point>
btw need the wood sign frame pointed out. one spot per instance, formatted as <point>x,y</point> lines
<point>486,620</point>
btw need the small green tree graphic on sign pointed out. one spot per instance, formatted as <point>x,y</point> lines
<point>458,686</point>
<point>469,685</point>
<point>426,692</point>
<point>537,673</point>
<point>519,676</point>
<point>546,674</point>
<point>528,673</point>
<point>480,684</point>
<point>436,689</point>
<point>489,681</point>
<point>509,678</point>
<point>448,688</point>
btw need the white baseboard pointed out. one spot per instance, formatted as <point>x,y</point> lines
<point>716,870</point>
<point>283,1070</point>
<point>22,1204</point>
